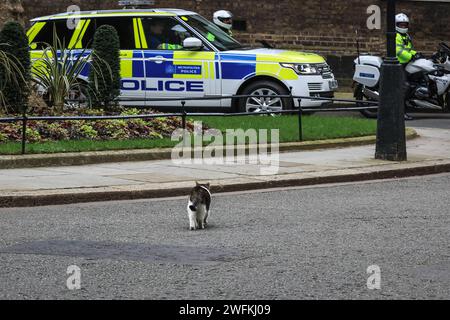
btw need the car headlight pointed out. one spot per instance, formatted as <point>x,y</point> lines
<point>302,68</point>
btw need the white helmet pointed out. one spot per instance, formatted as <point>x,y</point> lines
<point>220,16</point>
<point>401,18</point>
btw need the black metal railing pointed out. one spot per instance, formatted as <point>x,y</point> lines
<point>183,114</point>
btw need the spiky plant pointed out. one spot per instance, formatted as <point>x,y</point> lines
<point>58,73</point>
<point>10,76</point>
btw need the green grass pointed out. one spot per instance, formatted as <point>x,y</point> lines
<point>314,128</point>
<point>84,145</point>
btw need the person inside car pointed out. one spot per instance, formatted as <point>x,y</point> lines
<point>158,37</point>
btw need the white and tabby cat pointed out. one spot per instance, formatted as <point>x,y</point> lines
<point>198,206</point>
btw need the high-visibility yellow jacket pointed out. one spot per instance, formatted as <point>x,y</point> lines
<point>170,46</point>
<point>405,48</point>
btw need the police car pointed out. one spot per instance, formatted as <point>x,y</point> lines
<point>171,53</point>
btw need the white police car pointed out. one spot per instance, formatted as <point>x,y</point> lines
<point>170,53</point>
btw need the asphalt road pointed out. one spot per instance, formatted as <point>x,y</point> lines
<point>430,120</point>
<point>421,120</point>
<point>308,243</point>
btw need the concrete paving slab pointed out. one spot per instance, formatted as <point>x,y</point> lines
<point>38,172</point>
<point>59,182</point>
<point>166,178</point>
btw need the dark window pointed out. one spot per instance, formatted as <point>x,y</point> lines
<point>220,39</point>
<point>240,25</point>
<point>45,36</point>
<point>88,35</point>
<point>164,33</point>
<point>64,31</point>
<point>124,27</point>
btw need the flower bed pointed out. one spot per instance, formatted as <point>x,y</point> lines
<point>42,131</point>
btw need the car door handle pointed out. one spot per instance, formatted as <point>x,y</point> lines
<point>157,59</point>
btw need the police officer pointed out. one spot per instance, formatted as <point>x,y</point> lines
<point>224,20</point>
<point>405,47</point>
<point>157,39</point>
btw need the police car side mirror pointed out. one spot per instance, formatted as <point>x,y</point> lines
<point>192,43</point>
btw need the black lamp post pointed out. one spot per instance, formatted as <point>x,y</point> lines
<point>391,140</point>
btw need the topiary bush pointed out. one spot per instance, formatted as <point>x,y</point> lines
<point>105,74</point>
<point>14,42</point>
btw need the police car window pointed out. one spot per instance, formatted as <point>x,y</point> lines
<point>164,33</point>
<point>88,35</point>
<point>220,39</point>
<point>124,27</point>
<point>45,36</point>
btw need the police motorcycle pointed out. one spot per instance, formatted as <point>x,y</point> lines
<point>427,87</point>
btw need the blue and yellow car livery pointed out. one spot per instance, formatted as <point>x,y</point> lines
<point>220,67</point>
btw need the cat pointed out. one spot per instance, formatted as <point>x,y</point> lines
<point>198,206</point>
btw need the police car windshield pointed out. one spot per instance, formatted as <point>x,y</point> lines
<point>220,39</point>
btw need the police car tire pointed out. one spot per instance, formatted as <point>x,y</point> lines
<point>264,84</point>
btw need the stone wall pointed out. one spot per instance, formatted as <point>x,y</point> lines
<point>10,10</point>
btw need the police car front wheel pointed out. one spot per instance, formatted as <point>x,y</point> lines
<point>262,100</point>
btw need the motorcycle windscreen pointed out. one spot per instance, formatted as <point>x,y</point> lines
<point>366,75</point>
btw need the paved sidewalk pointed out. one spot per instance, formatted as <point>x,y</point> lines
<point>128,180</point>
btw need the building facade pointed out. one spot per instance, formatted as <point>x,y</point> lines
<point>11,10</point>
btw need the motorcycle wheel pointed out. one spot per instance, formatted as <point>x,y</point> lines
<point>359,95</point>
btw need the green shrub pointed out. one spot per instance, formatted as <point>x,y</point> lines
<point>76,129</point>
<point>15,43</point>
<point>155,135</point>
<point>130,112</point>
<point>105,74</point>
<point>88,132</point>
<point>112,129</point>
<point>138,128</point>
<point>33,135</point>
<point>3,137</point>
<point>12,130</point>
<point>43,131</point>
<point>53,131</point>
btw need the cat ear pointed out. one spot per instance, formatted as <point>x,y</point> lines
<point>208,185</point>
<point>196,183</point>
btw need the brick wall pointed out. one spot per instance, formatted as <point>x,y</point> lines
<point>10,10</point>
<point>323,26</point>
<point>320,25</point>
